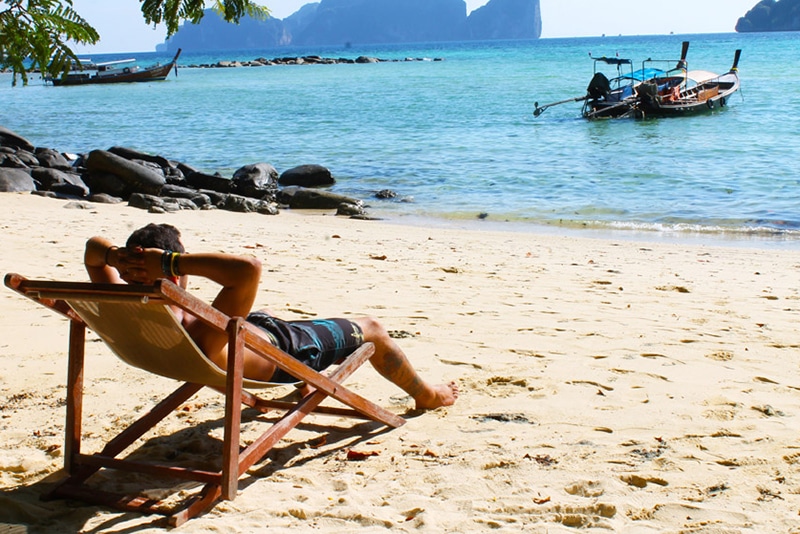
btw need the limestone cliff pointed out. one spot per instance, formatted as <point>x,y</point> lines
<point>506,19</point>
<point>340,22</point>
<point>771,16</point>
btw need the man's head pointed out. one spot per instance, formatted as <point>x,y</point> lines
<point>163,236</point>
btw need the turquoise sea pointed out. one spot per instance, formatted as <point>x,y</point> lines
<point>457,138</point>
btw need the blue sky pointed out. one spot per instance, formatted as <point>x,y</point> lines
<point>122,28</point>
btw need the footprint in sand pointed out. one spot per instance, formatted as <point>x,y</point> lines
<point>690,518</point>
<point>723,413</point>
<point>502,386</point>
<point>574,516</point>
<point>720,356</point>
<point>586,488</point>
<point>792,459</point>
<point>642,482</point>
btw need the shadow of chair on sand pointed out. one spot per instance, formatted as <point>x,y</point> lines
<point>22,511</point>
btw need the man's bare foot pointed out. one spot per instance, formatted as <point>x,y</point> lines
<point>438,396</point>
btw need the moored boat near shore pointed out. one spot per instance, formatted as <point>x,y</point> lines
<point>617,97</point>
<point>121,71</point>
<point>697,91</point>
<point>653,91</point>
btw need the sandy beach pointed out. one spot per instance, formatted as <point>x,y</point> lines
<point>609,384</point>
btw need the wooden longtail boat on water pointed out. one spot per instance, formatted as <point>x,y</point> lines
<point>121,71</point>
<point>697,91</point>
<point>614,96</point>
<point>618,97</point>
<point>652,91</point>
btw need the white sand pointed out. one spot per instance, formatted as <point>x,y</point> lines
<point>630,386</point>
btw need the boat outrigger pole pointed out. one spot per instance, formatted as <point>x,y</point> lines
<point>598,87</point>
<point>541,109</point>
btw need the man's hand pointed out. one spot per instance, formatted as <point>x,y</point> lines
<point>137,265</point>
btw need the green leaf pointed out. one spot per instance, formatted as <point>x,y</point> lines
<point>38,34</point>
<point>37,37</point>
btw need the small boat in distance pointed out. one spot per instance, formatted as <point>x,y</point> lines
<point>120,71</point>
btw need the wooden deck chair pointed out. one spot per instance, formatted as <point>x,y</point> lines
<point>139,326</point>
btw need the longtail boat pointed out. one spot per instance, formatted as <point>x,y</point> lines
<point>658,89</point>
<point>120,71</point>
<point>696,91</point>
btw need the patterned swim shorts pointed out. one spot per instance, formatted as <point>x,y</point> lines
<point>318,344</point>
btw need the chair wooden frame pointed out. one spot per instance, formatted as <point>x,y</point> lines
<point>222,484</point>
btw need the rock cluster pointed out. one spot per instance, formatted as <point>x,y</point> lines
<point>158,184</point>
<point>302,60</point>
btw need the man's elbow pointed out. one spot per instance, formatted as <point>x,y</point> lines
<point>252,269</point>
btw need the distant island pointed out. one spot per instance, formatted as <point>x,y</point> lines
<point>359,22</point>
<point>771,16</point>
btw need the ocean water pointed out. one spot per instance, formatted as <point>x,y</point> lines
<point>456,139</point>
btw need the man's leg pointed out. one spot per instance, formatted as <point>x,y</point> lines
<point>390,361</point>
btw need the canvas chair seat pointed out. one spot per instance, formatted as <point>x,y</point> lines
<point>150,337</point>
<point>140,327</point>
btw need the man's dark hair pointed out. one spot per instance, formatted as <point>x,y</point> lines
<point>163,236</point>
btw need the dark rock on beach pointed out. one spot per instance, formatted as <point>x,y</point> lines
<point>12,140</point>
<point>305,198</point>
<point>135,155</point>
<point>307,176</point>
<point>351,210</point>
<point>21,159</point>
<point>102,198</point>
<point>13,180</point>
<point>160,204</point>
<point>106,183</point>
<point>136,178</point>
<point>201,200</point>
<point>245,205</point>
<point>52,159</point>
<point>384,194</point>
<point>259,180</point>
<point>214,182</point>
<point>65,183</point>
<point>160,185</point>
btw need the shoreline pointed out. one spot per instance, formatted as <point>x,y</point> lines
<point>768,239</point>
<point>721,237</point>
<point>605,383</point>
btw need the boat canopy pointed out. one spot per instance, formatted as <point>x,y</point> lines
<point>646,74</point>
<point>115,62</point>
<point>701,76</point>
<point>612,60</point>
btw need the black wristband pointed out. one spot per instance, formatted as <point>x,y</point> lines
<point>165,261</point>
<point>107,251</point>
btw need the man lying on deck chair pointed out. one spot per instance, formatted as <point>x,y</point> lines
<point>155,251</point>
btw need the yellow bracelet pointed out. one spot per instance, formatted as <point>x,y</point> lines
<point>173,264</point>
